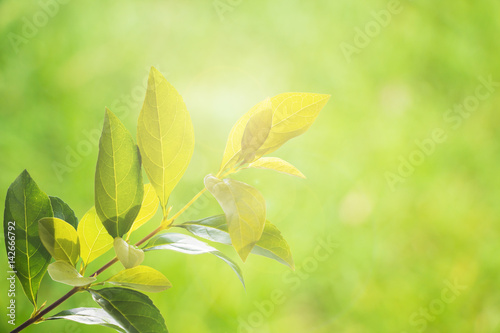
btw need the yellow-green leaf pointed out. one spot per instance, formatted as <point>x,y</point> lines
<point>63,272</point>
<point>118,179</point>
<point>165,135</point>
<point>60,239</point>
<point>94,239</point>
<point>245,211</point>
<point>293,114</point>
<point>148,208</point>
<point>142,278</point>
<point>256,132</point>
<point>129,255</point>
<point>275,163</point>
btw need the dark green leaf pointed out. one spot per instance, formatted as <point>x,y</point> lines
<point>133,310</point>
<point>24,206</point>
<point>89,316</point>
<point>189,245</point>
<point>271,244</point>
<point>63,211</point>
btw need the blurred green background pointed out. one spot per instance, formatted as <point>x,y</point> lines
<point>395,247</point>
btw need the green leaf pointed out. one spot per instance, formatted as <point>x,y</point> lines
<point>293,114</point>
<point>271,244</point>
<point>94,239</point>
<point>165,135</point>
<point>148,208</point>
<point>129,255</point>
<point>133,310</point>
<point>142,278</point>
<point>63,272</point>
<point>60,239</point>
<point>118,179</point>
<point>245,211</point>
<point>277,164</point>
<point>89,316</point>
<point>63,211</point>
<point>24,206</point>
<point>189,245</point>
<point>256,132</point>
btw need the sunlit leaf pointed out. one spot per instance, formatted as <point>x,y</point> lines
<point>63,211</point>
<point>129,255</point>
<point>142,278</point>
<point>256,132</point>
<point>24,206</point>
<point>89,316</point>
<point>189,245</point>
<point>271,244</point>
<point>275,163</point>
<point>134,311</point>
<point>60,239</point>
<point>165,135</point>
<point>245,211</point>
<point>94,239</point>
<point>118,179</point>
<point>63,272</point>
<point>148,208</point>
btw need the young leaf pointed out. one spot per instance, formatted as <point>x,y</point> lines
<point>118,179</point>
<point>245,211</point>
<point>148,208</point>
<point>63,272</point>
<point>63,211</point>
<point>271,244</point>
<point>60,239</point>
<point>24,206</point>
<point>94,239</point>
<point>142,278</point>
<point>89,316</point>
<point>294,113</point>
<point>189,245</point>
<point>275,163</point>
<point>256,132</point>
<point>165,135</point>
<point>134,311</point>
<point>129,255</point>
<point>232,153</point>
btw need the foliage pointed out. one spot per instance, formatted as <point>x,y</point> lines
<point>46,227</point>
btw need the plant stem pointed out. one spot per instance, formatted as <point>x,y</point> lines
<point>103,268</point>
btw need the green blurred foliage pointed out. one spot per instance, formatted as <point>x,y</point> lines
<point>394,248</point>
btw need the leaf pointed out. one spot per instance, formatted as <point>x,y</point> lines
<point>165,135</point>
<point>118,179</point>
<point>94,239</point>
<point>275,163</point>
<point>189,245</point>
<point>245,211</point>
<point>89,316</point>
<point>60,239</point>
<point>148,208</point>
<point>133,310</point>
<point>129,255</point>
<point>63,272</point>
<point>63,211</point>
<point>24,206</point>
<point>293,114</point>
<point>271,244</point>
<point>142,278</point>
<point>256,132</point>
